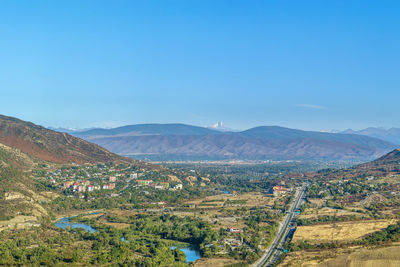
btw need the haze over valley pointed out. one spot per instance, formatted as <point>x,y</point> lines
<point>186,142</point>
<point>199,133</point>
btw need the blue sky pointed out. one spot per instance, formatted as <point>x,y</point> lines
<point>317,65</point>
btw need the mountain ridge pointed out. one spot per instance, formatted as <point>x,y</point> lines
<point>51,146</point>
<point>263,142</point>
<point>388,134</point>
<point>149,129</point>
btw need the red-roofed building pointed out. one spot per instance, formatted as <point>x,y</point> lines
<point>279,190</point>
<point>75,185</point>
<point>67,184</point>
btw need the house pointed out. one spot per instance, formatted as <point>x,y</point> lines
<point>233,230</point>
<point>67,184</point>
<point>112,179</point>
<point>81,188</point>
<point>108,186</point>
<point>279,190</point>
<point>144,182</point>
<point>161,185</point>
<point>134,175</point>
<point>90,188</point>
<point>176,187</point>
<point>75,185</point>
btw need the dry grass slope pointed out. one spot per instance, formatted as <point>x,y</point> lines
<point>388,257</point>
<point>344,231</point>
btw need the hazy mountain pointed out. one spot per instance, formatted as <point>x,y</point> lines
<point>148,129</point>
<point>69,130</point>
<point>391,135</point>
<point>62,130</point>
<point>172,141</point>
<point>47,145</point>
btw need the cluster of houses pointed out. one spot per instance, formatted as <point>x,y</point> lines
<point>159,185</point>
<point>89,178</point>
<point>279,190</point>
<point>83,186</point>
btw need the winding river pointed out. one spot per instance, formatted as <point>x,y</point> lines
<point>191,254</point>
<point>65,223</point>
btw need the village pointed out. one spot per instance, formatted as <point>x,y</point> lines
<point>90,178</point>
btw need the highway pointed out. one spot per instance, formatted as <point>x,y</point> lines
<point>274,251</point>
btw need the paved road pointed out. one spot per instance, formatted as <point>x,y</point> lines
<point>127,184</point>
<point>274,251</point>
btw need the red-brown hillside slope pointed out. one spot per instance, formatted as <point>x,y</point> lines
<point>51,146</point>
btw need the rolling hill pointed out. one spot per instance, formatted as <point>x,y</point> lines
<point>384,166</point>
<point>388,162</point>
<point>179,141</point>
<point>51,146</point>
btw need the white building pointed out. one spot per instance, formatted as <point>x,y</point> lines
<point>177,187</point>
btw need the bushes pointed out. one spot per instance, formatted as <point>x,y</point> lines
<point>391,233</point>
<point>325,219</point>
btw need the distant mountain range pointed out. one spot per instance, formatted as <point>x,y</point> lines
<point>391,135</point>
<point>180,142</point>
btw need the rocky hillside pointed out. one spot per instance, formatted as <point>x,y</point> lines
<point>20,201</point>
<point>177,141</point>
<point>47,145</point>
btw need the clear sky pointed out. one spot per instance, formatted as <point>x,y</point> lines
<point>318,65</point>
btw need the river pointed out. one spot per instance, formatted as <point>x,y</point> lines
<point>191,254</point>
<point>65,223</point>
